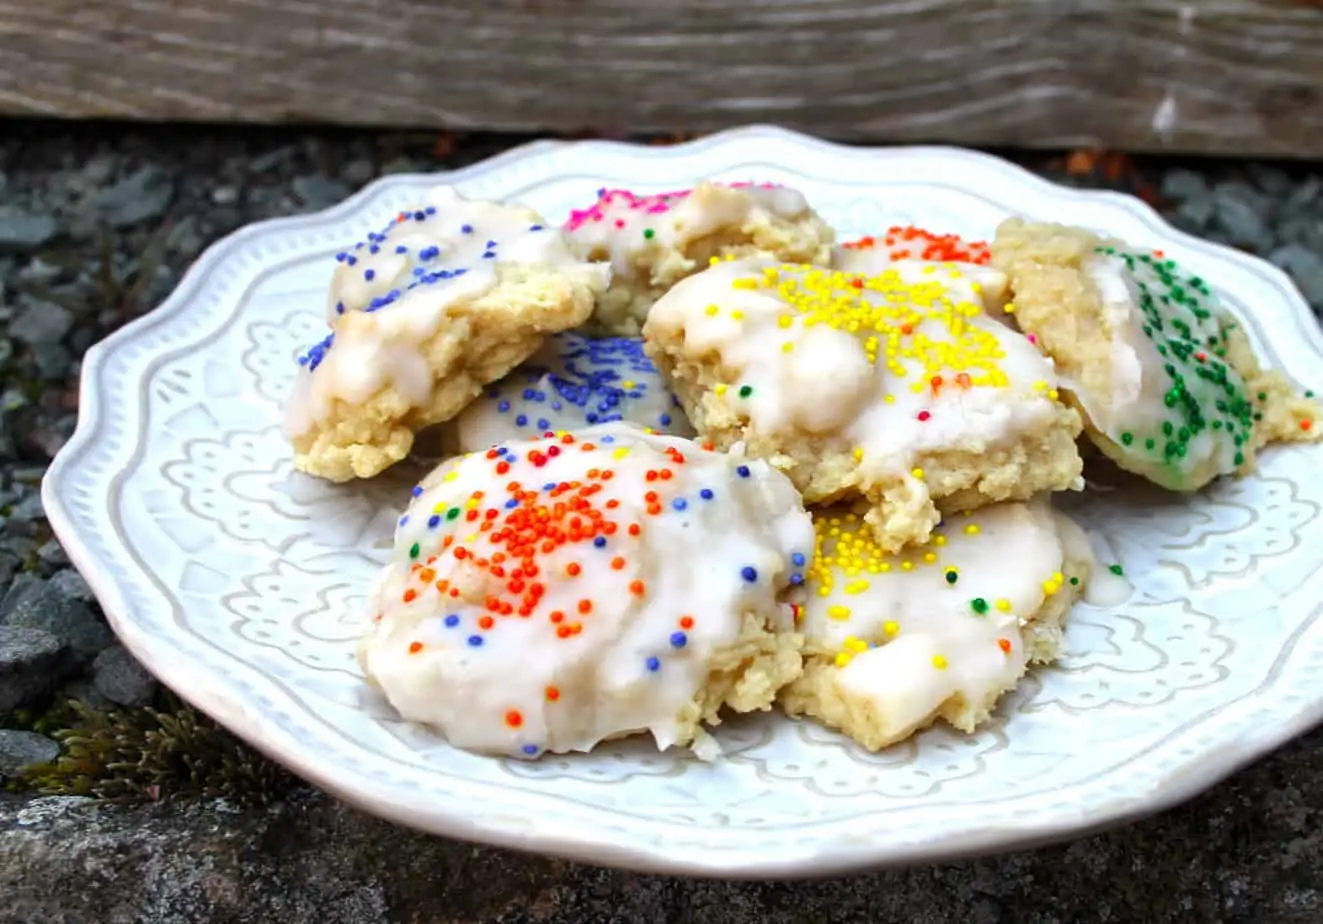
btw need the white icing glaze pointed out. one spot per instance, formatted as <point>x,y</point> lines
<point>911,630</point>
<point>626,226</point>
<point>394,291</point>
<point>1136,401</point>
<point>571,383</point>
<point>714,543</point>
<point>797,341</point>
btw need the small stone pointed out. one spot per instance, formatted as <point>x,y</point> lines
<point>54,362</point>
<point>84,691</point>
<point>225,195</point>
<point>28,510</point>
<point>23,586</point>
<point>357,172</point>
<point>30,665</point>
<point>271,159</point>
<point>121,679</point>
<point>6,351</point>
<point>71,621</point>
<point>21,232</point>
<point>319,192</point>
<point>52,553</point>
<point>1305,267</point>
<point>41,322</point>
<point>1273,180</point>
<point>71,585</point>
<point>1183,184</point>
<point>141,196</point>
<point>8,564</point>
<point>21,749</point>
<point>1242,214</point>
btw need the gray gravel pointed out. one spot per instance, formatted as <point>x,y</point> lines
<point>96,227</point>
<point>20,749</point>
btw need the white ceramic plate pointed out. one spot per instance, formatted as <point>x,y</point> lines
<point>240,583</point>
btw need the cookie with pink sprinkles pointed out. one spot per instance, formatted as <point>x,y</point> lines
<point>654,241</point>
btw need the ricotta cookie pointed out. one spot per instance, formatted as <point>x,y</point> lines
<point>654,241</point>
<point>571,383</point>
<point>547,595</point>
<point>1166,380</point>
<point>871,255</point>
<point>893,642</point>
<point>895,387</point>
<point>446,299</point>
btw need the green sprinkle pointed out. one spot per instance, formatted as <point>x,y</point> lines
<point>1074,582</point>
<point>1240,459</point>
<point>746,390</point>
<point>414,550</point>
<point>979,605</point>
<point>1150,444</point>
<point>452,513</point>
<point>1115,569</point>
<point>952,575</point>
<point>1309,394</point>
<point>1127,438</point>
<point>649,233</point>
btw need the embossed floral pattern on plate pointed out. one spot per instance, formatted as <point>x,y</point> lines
<point>240,582</point>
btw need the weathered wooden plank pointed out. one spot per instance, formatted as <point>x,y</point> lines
<point>1224,76</point>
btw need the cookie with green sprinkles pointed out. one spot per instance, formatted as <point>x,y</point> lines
<point>1166,380</point>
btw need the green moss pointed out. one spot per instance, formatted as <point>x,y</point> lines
<point>148,754</point>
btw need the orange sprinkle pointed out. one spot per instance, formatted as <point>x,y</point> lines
<point>409,595</point>
<point>1306,424</point>
<point>563,632</point>
<point>553,694</point>
<point>686,622</point>
<point>617,563</point>
<point>557,616</point>
<point>427,575</point>
<point>486,622</point>
<point>513,718</point>
<point>585,606</point>
<point>415,647</point>
<point>636,588</point>
<point>1004,644</point>
<point>573,569</point>
<point>634,529</point>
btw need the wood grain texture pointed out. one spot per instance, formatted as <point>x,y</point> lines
<point>1219,76</point>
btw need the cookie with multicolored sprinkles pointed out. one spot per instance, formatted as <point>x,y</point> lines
<point>1166,380</point>
<point>895,387</point>
<point>654,241</point>
<point>942,630</point>
<point>573,382</point>
<point>448,298</point>
<point>547,595</point>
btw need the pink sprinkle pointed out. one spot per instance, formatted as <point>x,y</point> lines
<point>652,205</point>
<point>1031,338</point>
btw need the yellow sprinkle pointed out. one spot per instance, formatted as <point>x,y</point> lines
<point>472,504</point>
<point>744,284</point>
<point>627,384</point>
<point>930,557</point>
<point>972,529</point>
<point>1010,308</point>
<point>719,389</point>
<point>907,566</point>
<point>856,644</point>
<point>856,587</point>
<point>929,270</point>
<point>711,311</point>
<point>450,476</point>
<point>1058,577</point>
<point>890,627</point>
<point>620,453</point>
<point>939,540</point>
<point>939,662</point>
<point>839,612</point>
<point>787,347</point>
<point>858,453</point>
<point>889,399</point>
<point>737,315</point>
<point>975,287</point>
<point>1050,587</point>
<point>713,261</point>
<point>843,659</point>
<point>1040,385</point>
<point>784,320</point>
<point>917,473</point>
<point>1003,604</point>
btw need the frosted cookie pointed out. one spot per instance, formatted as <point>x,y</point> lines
<point>654,241</point>
<point>1167,382</point>
<point>871,255</point>
<point>449,297</point>
<point>892,642</point>
<point>895,387</point>
<point>551,594</point>
<point>571,383</point>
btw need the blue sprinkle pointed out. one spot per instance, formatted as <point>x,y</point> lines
<point>433,521</point>
<point>679,639</point>
<point>503,406</point>
<point>796,579</point>
<point>430,210</point>
<point>416,490</point>
<point>600,542</point>
<point>452,620</point>
<point>742,471</point>
<point>369,275</point>
<point>404,519</point>
<point>665,420</point>
<point>543,423</point>
<point>608,439</point>
<point>339,307</point>
<point>419,216</point>
<point>679,503</point>
<point>706,494</point>
<point>749,574</point>
<point>475,641</point>
<point>511,504</point>
<point>530,749</point>
<point>534,227</point>
<point>528,394</point>
<point>467,229</point>
<point>797,559</point>
<point>548,486</point>
<point>488,255</point>
<point>521,420</point>
<point>491,244</point>
<point>654,664</point>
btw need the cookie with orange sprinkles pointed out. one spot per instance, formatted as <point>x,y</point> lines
<point>1165,378</point>
<point>550,594</point>
<point>895,387</point>
<point>652,241</point>
<point>941,630</point>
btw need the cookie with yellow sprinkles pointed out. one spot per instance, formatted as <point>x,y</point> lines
<point>942,630</point>
<point>550,594</point>
<point>895,387</point>
<point>1166,380</point>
